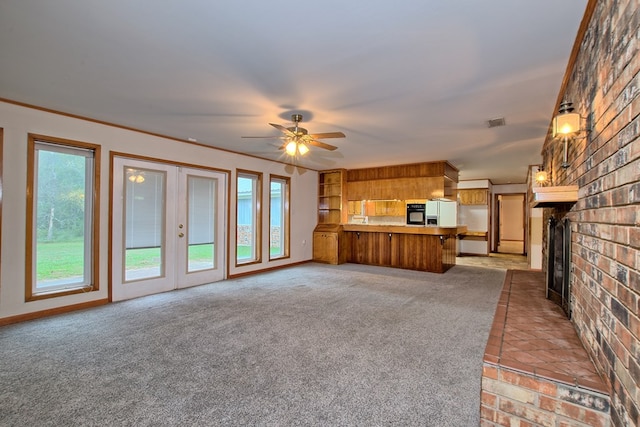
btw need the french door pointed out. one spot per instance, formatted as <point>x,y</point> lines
<point>168,227</point>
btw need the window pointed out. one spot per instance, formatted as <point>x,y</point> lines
<point>248,224</point>
<point>278,217</point>
<point>62,217</point>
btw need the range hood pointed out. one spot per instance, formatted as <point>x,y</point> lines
<point>548,197</point>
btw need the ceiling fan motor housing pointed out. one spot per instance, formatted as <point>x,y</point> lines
<point>300,137</point>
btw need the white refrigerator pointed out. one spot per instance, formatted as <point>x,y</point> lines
<point>441,213</point>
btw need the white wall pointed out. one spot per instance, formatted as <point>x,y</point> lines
<point>475,217</point>
<point>474,183</point>
<point>536,227</point>
<point>18,122</point>
<point>535,239</point>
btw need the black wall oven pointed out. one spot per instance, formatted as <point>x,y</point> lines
<point>416,213</point>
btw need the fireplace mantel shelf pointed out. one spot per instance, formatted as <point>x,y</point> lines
<point>547,197</point>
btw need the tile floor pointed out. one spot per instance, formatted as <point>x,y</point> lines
<point>495,260</point>
<point>532,334</point>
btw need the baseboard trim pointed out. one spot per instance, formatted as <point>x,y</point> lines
<point>51,312</point>
<point>264,270</point>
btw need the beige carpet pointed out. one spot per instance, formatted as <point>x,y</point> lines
<point>313,345</point>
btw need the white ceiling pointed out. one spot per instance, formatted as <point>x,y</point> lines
<point>407,81</point>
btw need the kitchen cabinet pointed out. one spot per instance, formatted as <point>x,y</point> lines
<point>371,248</point>
<point>389,208</point>
<point>423,248</point>
<point>400,182</point>
<point>473,197</point>
<point>329,244</point>
<point>354,207</point>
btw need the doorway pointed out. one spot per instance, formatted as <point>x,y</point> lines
<point>511,224</point>
<point>168,227</point>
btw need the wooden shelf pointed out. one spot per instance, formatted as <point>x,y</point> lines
<point>545,197</point>
<point>474,235</point>
<point>331,197</point>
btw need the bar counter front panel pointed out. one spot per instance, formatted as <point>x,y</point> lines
<point>431,249</point>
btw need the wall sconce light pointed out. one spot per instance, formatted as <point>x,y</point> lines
<point>566,122</point>
<point>566,125</point>
<point>541,177</point>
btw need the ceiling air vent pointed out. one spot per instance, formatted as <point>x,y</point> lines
<point>494,123</point>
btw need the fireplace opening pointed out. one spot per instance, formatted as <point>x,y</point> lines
<point>559,263</point>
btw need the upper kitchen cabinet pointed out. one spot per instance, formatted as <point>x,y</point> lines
<point>473,197</point>
<point>401,182</point>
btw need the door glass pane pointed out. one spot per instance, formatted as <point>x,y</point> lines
<point>144,223</point>
<point>201,223</point>
<point>63,211</point>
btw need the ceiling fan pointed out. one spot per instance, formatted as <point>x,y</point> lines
<point>297,139</point>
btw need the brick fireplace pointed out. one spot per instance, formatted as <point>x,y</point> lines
<point>558,261</point>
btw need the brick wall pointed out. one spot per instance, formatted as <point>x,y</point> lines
<point>513,398</point>
<point>604,85</point>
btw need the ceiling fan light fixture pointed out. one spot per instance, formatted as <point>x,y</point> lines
<point>298,139</point>
<point>302,149</point>
<point>290,148</point>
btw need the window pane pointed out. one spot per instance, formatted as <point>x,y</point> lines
<point>247,221</point>
<point>63,213</point>
<point>278,228</point>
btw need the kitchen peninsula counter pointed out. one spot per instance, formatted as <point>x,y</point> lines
<point>427,248</point>
<point>406,229</point>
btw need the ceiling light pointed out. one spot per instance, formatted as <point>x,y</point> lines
<point>134,176</point>
<point>303,149</point>
<point>291,147</point>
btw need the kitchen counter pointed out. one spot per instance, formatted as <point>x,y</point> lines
<point>424,248</point>
<point>406,229</point>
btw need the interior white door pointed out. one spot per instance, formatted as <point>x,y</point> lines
<point>168,227</point>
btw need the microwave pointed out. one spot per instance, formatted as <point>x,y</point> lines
<point>416,213</point>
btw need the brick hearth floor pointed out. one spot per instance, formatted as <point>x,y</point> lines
<point>532,334</point>
<point>535,368</point>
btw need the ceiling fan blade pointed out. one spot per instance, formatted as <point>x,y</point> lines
<point>265,137</point>
<point>327,135</point>
<point>283,129</point>
<point>320,144</point>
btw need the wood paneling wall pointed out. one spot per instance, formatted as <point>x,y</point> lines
<point>402,182</point>
<point>434,169</point>
<point>410,251</point>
